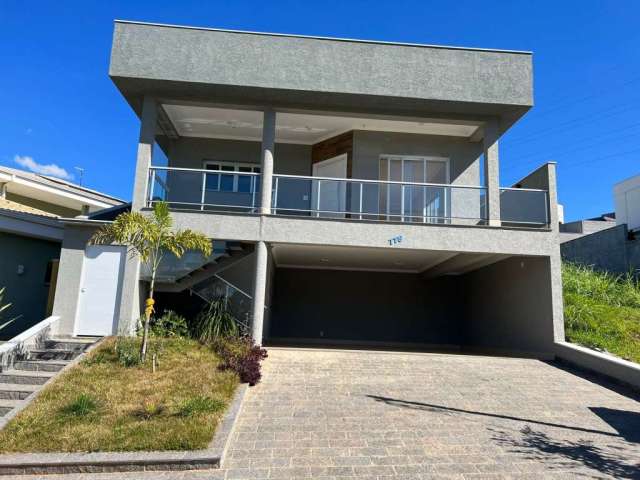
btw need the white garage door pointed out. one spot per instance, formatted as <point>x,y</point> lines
<point>100,290</point>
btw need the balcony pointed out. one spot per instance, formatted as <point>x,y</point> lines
<point>339,198</point>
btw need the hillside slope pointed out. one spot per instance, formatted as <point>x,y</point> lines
<point>602,311</point>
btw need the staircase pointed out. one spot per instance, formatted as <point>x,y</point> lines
<point>28,374</point>
<point>184,277</point>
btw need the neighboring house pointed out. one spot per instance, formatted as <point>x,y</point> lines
<point>579,228</point>
<point>626,195</point>
<point>31,236</point>
<point>352,188</point>
<point>610,242</point>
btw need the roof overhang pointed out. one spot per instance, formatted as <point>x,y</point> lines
<point>50,194</point>
<point>28,225</point>
<point>295,72</point>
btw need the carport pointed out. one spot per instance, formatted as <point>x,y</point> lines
<point>424,299</point>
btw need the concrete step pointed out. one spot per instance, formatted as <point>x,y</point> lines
<point>20,377</point>
<point>53,354</point>
<point>7,405</point>
<point>73,344</point>
<point>40,365</point>
<point>12,391</point>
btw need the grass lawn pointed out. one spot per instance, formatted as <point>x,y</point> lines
<point>602,311</point>
<point>103,405</point>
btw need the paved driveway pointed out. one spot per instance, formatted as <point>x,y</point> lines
<point>340,414</point>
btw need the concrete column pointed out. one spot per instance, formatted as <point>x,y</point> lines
<point>148,120</point>
<point>268,143</point>
<point>557,303</point>
<point>492,172</point>
<point>3,190</point>
<point>555,259</point>
<point>259,290</point>
<point>130,301</point>
<point>552,188</point>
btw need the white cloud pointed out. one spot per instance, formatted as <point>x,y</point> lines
<point>52,169</point>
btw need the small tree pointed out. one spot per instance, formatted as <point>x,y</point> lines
<point>150,237</point>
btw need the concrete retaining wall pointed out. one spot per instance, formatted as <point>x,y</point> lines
<point>623,371</point>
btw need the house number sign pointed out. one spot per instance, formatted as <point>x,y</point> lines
<point>395,240</point>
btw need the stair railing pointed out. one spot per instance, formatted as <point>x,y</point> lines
<point>236,301</point>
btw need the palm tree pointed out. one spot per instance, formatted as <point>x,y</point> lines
<point>150,237</point>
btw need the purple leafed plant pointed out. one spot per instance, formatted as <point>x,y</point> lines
<point>242,356</point>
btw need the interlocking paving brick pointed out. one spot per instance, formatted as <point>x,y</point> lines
<point>339,415</point>
<point>406,415</point>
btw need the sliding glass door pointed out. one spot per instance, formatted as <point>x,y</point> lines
<point>414,203</point>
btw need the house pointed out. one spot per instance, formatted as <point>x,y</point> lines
<point>610,242</point>
<point>352,189</point>
<point>626,195</point>
<point>31,236</point>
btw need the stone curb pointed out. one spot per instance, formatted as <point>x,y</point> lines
<point>106,462</point>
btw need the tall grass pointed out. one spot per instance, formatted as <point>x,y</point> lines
<point>602,287</point>
<point>602,310</point>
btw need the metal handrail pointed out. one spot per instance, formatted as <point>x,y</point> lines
<point>233,286</point>
<point>357,180</point>
<point>360,211</point>
<point>389,182</point>
<point>524,189</point>
<point>203,170</point>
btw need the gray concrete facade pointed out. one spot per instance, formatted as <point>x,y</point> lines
<point>304,72</point>
<point>154,65</point>
<point>492,172</point>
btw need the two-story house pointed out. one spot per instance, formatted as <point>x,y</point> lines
<point>352,188</point>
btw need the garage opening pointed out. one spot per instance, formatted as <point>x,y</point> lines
<point>459,302</point>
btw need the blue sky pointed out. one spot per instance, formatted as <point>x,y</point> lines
<point>60,107</point>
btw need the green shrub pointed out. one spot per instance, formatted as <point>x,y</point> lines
<point>83,405</point>
<point>200,404</point>
<point>127,351</point>
<point>214,321</point>
<point>170,324</point>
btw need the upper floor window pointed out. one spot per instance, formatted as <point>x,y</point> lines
<point>234,181</point>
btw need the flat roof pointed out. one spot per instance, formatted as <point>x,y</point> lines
<point>317,37</point>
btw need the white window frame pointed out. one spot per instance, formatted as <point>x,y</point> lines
<point>255,168</point>
<point>424,158</point>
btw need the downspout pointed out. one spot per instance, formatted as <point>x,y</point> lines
<point>4,185</point>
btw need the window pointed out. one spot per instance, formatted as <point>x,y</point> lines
<point>410,202</point>
<point>50,271</point>
<point>234,181</point>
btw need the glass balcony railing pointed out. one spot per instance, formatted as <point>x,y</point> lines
<point>195,189</point>
<point>524,207</point>
<point>378,200</point>
<point>355,199</point>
